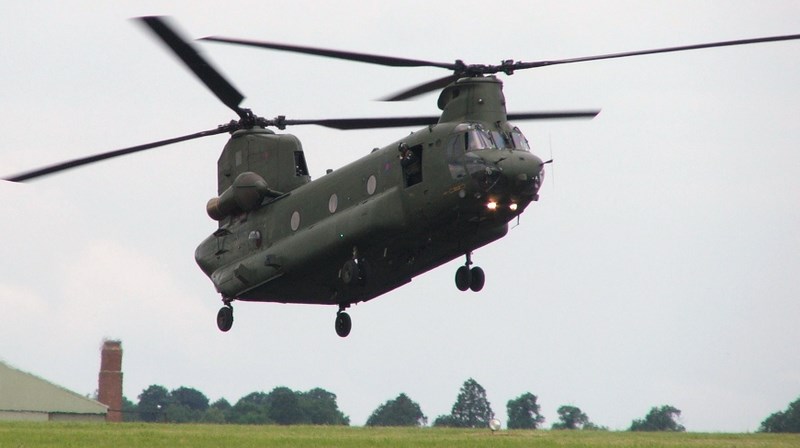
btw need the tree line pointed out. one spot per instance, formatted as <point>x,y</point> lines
<point>281,406</point>
<point>471,409</point>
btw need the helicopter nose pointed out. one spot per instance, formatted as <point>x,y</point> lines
<point>510,181</point>
<point>524,172</point>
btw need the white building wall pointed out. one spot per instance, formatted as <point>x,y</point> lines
<point>24,416</point>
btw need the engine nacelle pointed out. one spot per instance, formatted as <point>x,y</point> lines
<point>245,194</point>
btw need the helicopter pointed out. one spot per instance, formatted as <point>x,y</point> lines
<point>373,225</point>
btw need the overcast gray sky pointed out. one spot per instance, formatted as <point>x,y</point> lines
<point>660,266</point>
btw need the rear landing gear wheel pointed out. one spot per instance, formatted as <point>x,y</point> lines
<point>225,318</point>
<point>463,278</point>
<point>477,279</point>
<point>343,324</point>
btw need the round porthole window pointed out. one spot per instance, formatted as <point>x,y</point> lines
<point>372,184</point>
<point>295,223</point>
<point>255,238</point>
<point>333,202</point>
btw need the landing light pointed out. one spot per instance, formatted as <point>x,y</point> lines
<point>491,205</point>
<point>513,207</point>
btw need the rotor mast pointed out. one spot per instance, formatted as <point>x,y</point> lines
<point>475,99</point>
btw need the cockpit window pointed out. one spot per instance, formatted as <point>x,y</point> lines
<point>501,140</point>
<point>456,149</point>
<point>478,139</point>
<point>520,142</point>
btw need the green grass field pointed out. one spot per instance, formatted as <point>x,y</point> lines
<point>169,435</point>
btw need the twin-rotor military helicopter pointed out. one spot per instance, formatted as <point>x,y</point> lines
<point>371,226</point>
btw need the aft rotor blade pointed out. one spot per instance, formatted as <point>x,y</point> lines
<point>212,78</point>
<point>367,123</point>
<point>729,43</point>
<point>395,122</point>
<point>110,154</point>
<point>390,61</point>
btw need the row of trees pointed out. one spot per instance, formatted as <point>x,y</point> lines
<point>473,410</point>
<point>282,406</point>
<point>318,407</point>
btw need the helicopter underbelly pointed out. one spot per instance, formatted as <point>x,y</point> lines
<point>386,266</point>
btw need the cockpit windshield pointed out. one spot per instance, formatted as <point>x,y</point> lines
<point>473,137</point>
<point>470,137</point>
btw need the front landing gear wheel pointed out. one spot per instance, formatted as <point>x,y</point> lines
<point>225,318</point>
<point>343,324</point>
<point>463,278</point>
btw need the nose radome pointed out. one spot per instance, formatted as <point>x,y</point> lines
<point>522,166</point>
<point>523,169</point>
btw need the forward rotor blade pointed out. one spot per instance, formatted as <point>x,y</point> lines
<point>111,154</point>
<point>212,78</point>
<point>395,122</point>
<point>337,54</point>
<point>729,43</point>
<point>429,86</point>
<point>552,115</point>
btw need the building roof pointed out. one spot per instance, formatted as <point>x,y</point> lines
<point>22,391</point>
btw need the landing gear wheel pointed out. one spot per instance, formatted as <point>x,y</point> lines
<point>350,272</point>
<point>225,318</point>
<point>477,279</point>
<point>463,278</point>
<point>343,324</point>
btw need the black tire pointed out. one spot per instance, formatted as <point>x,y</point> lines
<point>477,279</point>
<point>463,278</point>
<point>225,318</point>
<point>343,324</point>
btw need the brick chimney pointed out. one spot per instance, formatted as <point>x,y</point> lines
<point>110,381</point>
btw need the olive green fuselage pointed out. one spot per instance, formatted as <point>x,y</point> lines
<point>400,211</point>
